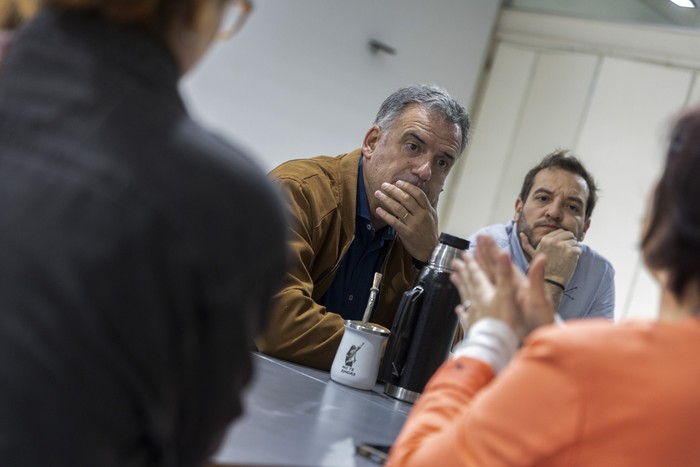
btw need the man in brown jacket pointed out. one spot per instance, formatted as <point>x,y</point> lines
<point>371,210</point>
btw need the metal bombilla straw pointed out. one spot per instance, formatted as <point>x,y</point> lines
<point>373,292</point>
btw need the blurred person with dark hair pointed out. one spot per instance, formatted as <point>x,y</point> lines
<point>587,394</point>
<point>139,252</point>
<point>552,215</point>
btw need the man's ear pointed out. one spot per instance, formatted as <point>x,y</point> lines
<point>518,208</point>
<point>371,140</point>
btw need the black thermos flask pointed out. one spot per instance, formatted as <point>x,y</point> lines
<point>424,326</point>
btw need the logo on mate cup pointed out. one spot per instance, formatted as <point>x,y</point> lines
<point>351,359</point>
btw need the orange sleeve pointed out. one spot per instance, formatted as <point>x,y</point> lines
<point>466,417</point>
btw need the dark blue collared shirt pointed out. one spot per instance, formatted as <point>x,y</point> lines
<point>349,292</point>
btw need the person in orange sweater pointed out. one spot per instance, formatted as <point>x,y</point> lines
<point>587,394</point>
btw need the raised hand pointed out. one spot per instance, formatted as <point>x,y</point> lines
<point>495,287</point>
<point>532,298</point>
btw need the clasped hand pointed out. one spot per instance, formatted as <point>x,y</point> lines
<point>496,288</point>
<point>406,208</point>
<point>562,250</point>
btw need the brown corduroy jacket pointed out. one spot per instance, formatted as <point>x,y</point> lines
<point>322,194</point>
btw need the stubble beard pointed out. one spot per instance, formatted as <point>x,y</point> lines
<point>522,226</point>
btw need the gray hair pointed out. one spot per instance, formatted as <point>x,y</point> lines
<point>431,96</point>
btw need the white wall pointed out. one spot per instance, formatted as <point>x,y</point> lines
<point>607,91</point>
<point>300,79</point>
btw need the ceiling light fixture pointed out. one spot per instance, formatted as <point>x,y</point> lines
<point>685,3</point>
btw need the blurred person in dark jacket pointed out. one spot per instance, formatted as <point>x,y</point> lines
<point>139,253</point>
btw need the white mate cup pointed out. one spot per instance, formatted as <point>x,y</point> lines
<point>356,362</point>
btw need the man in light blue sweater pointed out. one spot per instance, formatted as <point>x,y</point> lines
<point>552,216</point>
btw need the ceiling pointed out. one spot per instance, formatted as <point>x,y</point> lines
<point>655,12</point>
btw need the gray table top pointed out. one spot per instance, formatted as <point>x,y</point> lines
<point>298,416</point>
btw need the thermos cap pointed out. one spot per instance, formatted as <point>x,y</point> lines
<point>449,248</point>
<point>457,242</point>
